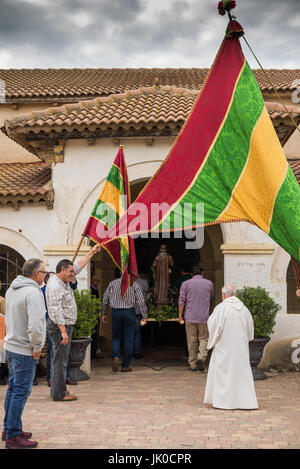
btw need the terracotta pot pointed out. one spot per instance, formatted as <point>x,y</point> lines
<point>256,349</point>
<point>77,355</point>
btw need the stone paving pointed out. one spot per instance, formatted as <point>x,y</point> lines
<point>160,409</point>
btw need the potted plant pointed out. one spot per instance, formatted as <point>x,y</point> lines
<point>263,310</point>
<point>89,310</point>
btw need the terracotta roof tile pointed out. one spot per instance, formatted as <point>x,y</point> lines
<point>295,165</point>
<point>139,108</point>
<point>51,84</point>
<point>159,106</point>
<point>278,111</point>
<point>24,179</point>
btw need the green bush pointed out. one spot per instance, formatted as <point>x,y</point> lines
<point>89,310</point>
<point>163,313</point>
<point>262,307</point>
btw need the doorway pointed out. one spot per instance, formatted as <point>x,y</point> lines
<point>293,302</point>
<point>11,263</point>
<point>170,335</point>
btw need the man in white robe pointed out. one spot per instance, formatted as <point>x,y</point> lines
<point>230,383</point>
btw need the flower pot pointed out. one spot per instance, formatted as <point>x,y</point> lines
<point>77,355</point>
<point>256,349</point>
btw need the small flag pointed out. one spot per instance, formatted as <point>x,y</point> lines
<point>112,203</point>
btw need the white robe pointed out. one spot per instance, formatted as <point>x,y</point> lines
<point>230,383</point>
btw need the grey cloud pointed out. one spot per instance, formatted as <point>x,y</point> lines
<point>118,34</point>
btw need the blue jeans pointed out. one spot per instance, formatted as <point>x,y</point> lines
<point>137,344</point>
<point>123,327</point>
<point>21,374</point>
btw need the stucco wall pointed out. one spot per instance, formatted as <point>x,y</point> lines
<point>77,183</point>
<point>11,152</point>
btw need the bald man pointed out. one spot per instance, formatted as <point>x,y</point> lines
<point>229,383</point>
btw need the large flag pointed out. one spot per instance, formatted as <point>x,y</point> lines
<point>112,203</point>
<point>228,157</point>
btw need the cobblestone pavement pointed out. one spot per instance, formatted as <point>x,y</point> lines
<point>160,409</point>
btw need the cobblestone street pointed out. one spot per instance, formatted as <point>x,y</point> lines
<point>160,409</point>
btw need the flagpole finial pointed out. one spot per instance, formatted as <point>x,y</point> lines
<point>234,29</point>
<point>225,6</point>
<point>121,146</point>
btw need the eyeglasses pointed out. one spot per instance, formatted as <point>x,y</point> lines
<point>43,272</point>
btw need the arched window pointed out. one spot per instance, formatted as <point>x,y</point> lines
<point>293,302</point>
<point>11,263</point>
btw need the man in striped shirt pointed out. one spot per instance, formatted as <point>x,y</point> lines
<point>123,319</point>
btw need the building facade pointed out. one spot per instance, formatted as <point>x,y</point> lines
<point>61,130</point>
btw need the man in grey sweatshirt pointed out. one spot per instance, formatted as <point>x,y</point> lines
<point>25,337</point>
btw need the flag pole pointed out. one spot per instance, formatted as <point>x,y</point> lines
<point>78,247</point>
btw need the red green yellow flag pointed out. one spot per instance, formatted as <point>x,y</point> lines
<point>228,157</point>
<point>111,204</point>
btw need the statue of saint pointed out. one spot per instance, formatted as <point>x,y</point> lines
<point>162,266</point>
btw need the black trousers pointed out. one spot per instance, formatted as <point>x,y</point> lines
<point>59,360</point>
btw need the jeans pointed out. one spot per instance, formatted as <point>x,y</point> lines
<point>123,327</point>
<point>49,352</point>
<point>59,360</point>
<point>137,343</point>
<point>21,373</point>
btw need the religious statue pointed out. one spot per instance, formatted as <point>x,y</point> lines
<point>162,267</point>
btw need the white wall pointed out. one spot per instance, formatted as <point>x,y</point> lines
<point>77,183</point>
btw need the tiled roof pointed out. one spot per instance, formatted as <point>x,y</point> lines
<point>64,84</point>
<point>145,107</point>
<point>295,165</point>
<point>278,111</point>
<point>25,183</point>
<point>157,106</point>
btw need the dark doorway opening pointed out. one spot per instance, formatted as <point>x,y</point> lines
<point>11,263</point>
<point>167,335</point>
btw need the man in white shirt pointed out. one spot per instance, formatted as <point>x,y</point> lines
<point>62,311</point>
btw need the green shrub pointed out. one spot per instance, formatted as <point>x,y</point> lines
<point>262,307</point>
<point>89,310</point>
<point>163,313</point>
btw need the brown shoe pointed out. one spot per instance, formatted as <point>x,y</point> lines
<point>69,397</point>
<point>26,435</point>
<point>115,364</point>
<point>125,370</point>
<point>19,443</point>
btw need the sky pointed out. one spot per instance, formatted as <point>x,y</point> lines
<point>142,33</point>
